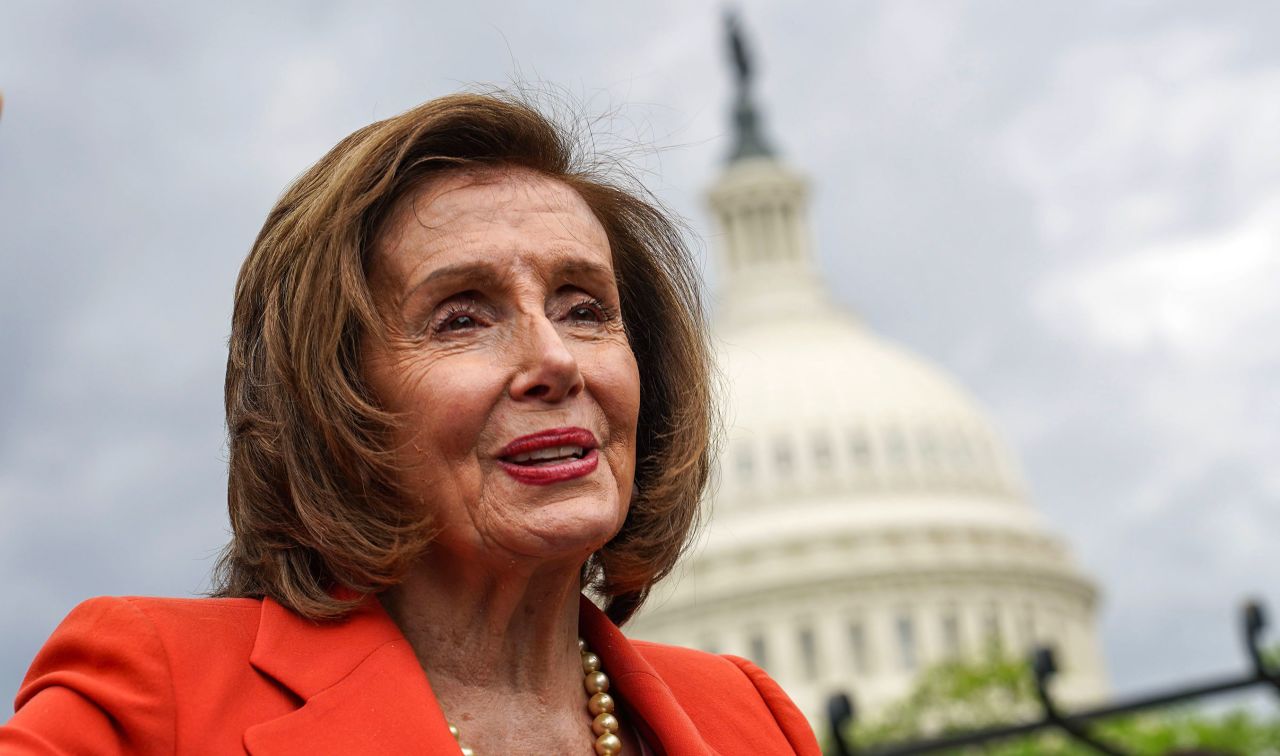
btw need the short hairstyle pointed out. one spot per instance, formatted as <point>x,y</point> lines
<point>318,519</point>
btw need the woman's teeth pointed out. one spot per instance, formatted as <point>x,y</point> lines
<point>551,453</point>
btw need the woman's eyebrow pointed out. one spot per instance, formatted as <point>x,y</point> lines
<point>468,274</point>
<point>488,276</point>
<point>589,269</point>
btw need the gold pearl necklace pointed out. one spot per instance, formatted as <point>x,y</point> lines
<point>601,705</point>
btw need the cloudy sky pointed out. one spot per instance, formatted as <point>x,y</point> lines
<point>1073,207</point>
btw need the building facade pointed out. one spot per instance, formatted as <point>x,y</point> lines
<point>867,520</point>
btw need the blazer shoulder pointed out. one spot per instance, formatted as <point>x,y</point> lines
<point>691,660</point>
<point>745,698</point>
<point>185,615</point>
<point>102,681</point>
<point>790,720</point>
<point>157,628</point>
<point>106,676</point>
<point>185,627</point>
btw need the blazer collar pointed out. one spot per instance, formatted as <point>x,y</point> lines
<point>363,690</point>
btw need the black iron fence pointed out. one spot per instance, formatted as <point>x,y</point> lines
<point>1075,724</point>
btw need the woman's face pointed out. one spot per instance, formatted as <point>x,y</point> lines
<point>508,364</point>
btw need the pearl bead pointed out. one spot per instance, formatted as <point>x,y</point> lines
<point>604,722</point>
<point>467,751</point>
<point>453,731</point>
<point>608,744</point>
<point>599,703</point>
<point>590,663</point>
<point>582,645</point>
<point>596,682</point>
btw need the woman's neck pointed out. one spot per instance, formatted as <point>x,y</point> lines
<point>500,649</point>
<point>516,626</point>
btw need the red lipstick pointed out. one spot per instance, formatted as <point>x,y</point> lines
<point>550,456</point>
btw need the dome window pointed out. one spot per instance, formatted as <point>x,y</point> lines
<point>788,239</point>
<point>822,451</point>
<point>731,247</point>
<point>895,448</point>
<point>995,638</point>
<point>905,630</point>
<point>860,450</point>
<point>858,648</point>
<point>928,446</point>
<point>782,456</point>
<point>951,642</point>
<point>808,645</point>
<point>1027,626</point>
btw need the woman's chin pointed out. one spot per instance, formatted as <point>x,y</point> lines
<point>565,521</point>
<point>565,536</point>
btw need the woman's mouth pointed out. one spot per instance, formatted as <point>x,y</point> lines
<point>535,471</point>
<point>550,456</point>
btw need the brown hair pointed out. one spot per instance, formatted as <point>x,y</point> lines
<point>317,517</point>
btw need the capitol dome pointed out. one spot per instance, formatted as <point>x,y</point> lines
<point>867,519</point>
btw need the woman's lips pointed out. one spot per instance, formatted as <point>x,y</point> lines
<point>550,456</point>
<point>550,438</point>
<point>545,473</point>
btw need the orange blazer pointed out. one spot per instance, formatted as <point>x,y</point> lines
<point>213,676</point>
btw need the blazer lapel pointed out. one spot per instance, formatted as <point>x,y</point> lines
<point>364,692</point>
<point>362,689</point>
<point>664,723</point>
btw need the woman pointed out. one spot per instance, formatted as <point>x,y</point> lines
<point>468,380</point>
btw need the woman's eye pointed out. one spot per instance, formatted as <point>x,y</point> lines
<point>457,319</point>
<point>592,312</point>
<point>459,322</point>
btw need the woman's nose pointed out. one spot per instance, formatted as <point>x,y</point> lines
<point>548,370</point>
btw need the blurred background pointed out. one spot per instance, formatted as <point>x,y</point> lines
<point>1071,209</point>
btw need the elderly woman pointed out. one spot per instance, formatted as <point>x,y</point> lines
<point>468,381</point>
